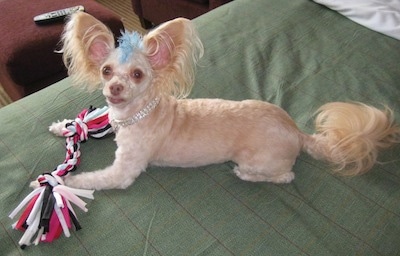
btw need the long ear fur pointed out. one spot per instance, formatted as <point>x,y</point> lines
<point>173,50</point>
<point>87,42</point>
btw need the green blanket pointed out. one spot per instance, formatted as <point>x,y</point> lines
<point>296,54</point>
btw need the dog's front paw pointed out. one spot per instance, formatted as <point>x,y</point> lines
<point>83,181</point>
<point>34,184</point>
<point>74,181</point>
<point>57,127</point>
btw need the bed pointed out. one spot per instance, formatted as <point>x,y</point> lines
<point>297,54</point>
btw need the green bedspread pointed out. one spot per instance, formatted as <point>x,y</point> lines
<point>294,53</point>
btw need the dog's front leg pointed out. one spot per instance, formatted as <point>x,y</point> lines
<point>120,174</point>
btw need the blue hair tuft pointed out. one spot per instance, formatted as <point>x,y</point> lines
<point>129,42</point>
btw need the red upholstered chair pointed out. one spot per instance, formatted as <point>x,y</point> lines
<point>155,12</point>
<point>27,59</point>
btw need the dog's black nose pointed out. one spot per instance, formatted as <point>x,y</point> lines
<point>116,89</point>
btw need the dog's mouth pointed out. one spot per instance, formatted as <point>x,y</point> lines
<point>114,100</point>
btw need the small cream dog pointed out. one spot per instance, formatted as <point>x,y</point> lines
<point>145,80</point>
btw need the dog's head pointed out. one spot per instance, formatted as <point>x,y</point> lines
<point>161,62</point>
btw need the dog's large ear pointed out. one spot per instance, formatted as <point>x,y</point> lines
<point>87,42</point>
<point>173,50</point>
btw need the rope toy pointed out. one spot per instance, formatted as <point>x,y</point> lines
<point>48,210</point>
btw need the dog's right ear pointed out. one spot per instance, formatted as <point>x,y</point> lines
<point>87,43</point>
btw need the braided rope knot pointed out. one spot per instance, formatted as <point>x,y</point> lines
<point>48,209</point>
<point>47,178</point>
<point>90,122</point>
<point>78,127</point>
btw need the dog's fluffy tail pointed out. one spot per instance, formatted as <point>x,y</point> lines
<point>350,135</point>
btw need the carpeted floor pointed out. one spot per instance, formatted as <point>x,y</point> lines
<point>4,99</point>
<point>122,8</point>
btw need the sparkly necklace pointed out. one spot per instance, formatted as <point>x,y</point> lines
<point>137,117</point>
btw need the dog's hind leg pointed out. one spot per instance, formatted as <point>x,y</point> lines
<point>266,169</point>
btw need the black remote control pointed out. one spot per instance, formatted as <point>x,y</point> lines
<point>57,15</point>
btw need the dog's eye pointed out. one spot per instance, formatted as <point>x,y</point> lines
<point>106,71</point>
<point>137,74</point>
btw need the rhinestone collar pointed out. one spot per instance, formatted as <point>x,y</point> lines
<point>137,117</point>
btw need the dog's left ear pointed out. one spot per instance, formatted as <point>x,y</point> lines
<point>173,50</point>
<point>162,42</point>
<point>87,42</point>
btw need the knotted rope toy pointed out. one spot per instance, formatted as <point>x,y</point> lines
<point>48,210</point>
